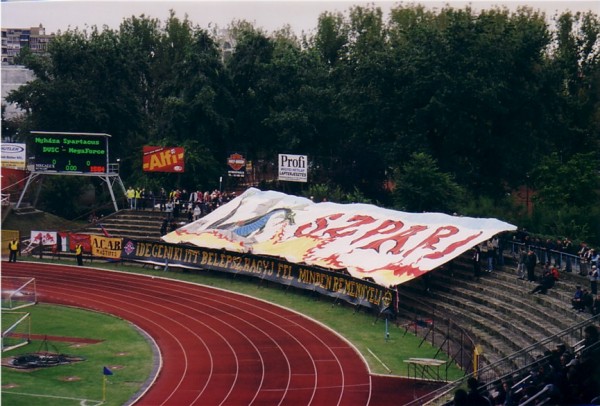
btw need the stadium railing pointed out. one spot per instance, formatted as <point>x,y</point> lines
<point>514,367</point>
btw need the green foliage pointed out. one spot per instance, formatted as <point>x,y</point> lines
<point>487,95</point>
<point>422,187</point>
<point>324,193</point>
<point>573,183</point>
<point>566,196</point>
<point>321,192</point>
<point>66,196</point>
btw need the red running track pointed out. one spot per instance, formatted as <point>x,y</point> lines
<point>222,348</point>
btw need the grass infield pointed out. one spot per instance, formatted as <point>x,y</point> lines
<point>113,343</point>
<point>384,356</point>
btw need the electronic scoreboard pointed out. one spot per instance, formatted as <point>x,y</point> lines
<point>70,152</point>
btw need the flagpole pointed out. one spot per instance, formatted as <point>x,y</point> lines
<point>105,371</point>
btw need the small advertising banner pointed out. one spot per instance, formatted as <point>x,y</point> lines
<point>106,247</point>
<point>43,237</point>
<point>163,159</point>
<point>237,165</point>
<point>13,155</point>
<point>83,239</point>
<point>293,168</point>
<point>331,283</point>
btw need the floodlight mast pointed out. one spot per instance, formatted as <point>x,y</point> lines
<point>64,153</point>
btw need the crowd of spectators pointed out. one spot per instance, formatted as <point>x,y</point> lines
<point>178,205</point>
<point>560,252</point>
<point>565,376</point>
<point>556,256</point>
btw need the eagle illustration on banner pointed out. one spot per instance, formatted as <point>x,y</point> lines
<point>390,247</point>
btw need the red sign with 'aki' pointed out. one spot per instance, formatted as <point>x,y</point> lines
<point>163,159</point>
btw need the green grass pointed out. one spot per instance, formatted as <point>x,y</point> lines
<point>122,349</point>
<point>360,328</point>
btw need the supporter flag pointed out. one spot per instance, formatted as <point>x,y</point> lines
<point>106,233</point>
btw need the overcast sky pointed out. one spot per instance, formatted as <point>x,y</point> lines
<point>270,15</point>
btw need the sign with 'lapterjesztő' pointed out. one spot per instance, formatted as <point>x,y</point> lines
<point>293,168</point>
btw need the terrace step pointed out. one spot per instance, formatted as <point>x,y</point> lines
<point>497,310</point>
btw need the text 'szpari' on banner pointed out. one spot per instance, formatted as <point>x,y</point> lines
<point>387,246</point>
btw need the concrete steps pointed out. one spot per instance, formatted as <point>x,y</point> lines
<point>134,224</point>
<point>498,310</point>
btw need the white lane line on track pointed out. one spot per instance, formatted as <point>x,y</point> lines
<point>190,289</point>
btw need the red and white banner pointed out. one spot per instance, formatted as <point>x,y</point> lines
<point>43,237</point>
<point>163,159</point>
<point>83,239</point>
<point>391,247</point>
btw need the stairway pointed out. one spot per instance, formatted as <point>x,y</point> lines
<point>134,224</point>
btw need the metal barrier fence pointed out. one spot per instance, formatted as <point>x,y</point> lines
<point>562,260</point>
<point>514,366</point>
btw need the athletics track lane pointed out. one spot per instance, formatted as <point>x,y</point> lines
<point>221,348</point>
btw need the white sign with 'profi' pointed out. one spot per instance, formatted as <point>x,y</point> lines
<point>293,168</point>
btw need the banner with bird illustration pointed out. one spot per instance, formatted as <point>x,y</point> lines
<point>389,247</point>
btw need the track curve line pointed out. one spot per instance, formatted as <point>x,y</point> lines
<point>217,347</point>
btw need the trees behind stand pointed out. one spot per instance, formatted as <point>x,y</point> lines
<point>487,114</point>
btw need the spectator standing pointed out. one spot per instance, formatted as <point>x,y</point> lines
<point>476,262</point>
<point>530,264</point>
<point>163,227</point>
<point>594,257</point>
<point>557,253</point>
<point>501,246</point>
<point>143,199</point>
<point>492,248</point>
<point>583,258</point>
<point>79,254</point>
<point>138,198</point>
<point>567,246</point>
<point>151,199</point>
<point>162,196</point>
<point>522,263</point>
<point>197,212</point>
<point>13,249</point>
<point>596,306</point>
<point>594,280</point>
<point>169,210</point>
<point>131,197</point>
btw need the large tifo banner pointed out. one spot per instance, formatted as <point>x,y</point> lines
<point>334,284</point>
<point>390,247</point>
